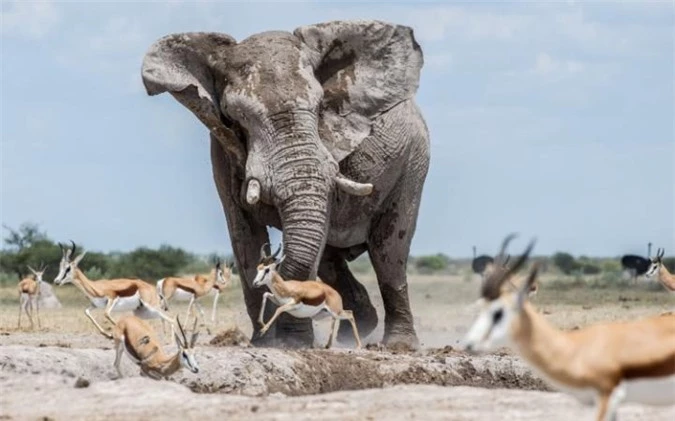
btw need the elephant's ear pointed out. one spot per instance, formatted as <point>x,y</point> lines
<point>365,68</point>
<point>180,64</point>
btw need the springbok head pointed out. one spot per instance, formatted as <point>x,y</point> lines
<point>655,263</point>
<point>68,264</point>
<point>501,303</point>
<point>266,266</point>
<point>186,348</point>
<point>38,273</point>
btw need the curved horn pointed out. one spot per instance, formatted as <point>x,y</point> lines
<point>505,244</point>
<point>492,286</point>
<point>182,332</point>
<point>63,251</point>
<point>263,254</point>
<point>660,253</point>
<point>506,261</point>
<point>72,251</point>
<point>276,253</point>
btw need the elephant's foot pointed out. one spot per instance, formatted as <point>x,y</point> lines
<point>399,331</point>
<point>401,339</point>
<point>286,332</point>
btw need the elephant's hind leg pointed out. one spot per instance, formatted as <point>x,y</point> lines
<point>388,247</point>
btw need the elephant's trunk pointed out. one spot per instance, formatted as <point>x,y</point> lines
<point>304,176</point>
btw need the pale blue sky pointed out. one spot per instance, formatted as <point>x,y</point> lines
<point>550,119</point>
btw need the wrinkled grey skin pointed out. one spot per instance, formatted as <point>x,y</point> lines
<point>289,112</point>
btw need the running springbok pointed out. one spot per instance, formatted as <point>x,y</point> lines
<point>135,337</point>
<point>657,268</point>
<point>193,289</point>
<point>302,299</point>
<point>29,294</point>
<point>612,362</point>
<point>113,294</point>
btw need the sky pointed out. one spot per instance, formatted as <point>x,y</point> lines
<point>550,119</point>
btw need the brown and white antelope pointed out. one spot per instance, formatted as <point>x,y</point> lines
<point>656,267</point>
<point>194,289</point>
<point>302,299</point>
<point>112,294</point>
<point>29,295</point>
<point>609,362</point>
<point>138,340</point>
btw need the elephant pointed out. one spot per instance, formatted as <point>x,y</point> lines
<point>314,132</point>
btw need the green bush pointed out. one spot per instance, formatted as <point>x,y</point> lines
<point>565,262</point>
<point>431,264</point>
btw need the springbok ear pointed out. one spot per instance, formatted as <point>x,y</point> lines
<point>79,258</point>
<point>180,64</point>
<point>365,68</point>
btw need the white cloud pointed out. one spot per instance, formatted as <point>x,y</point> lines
<point>118,35</point>
<point>32,20</point>
<point>439,23</point>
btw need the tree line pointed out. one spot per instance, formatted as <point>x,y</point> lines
<point>29,245</point>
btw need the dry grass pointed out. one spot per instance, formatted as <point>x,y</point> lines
<point>442,306</point>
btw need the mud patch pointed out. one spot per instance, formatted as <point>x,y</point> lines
<point>230,337</point>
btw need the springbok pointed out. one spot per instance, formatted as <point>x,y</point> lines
<point>135,337</point>
<point>657,268</point>
<point>113,294</point>
<point>193,289</point>
<point>302,299</point>
<point>612,362</point>
<point>29,294</point>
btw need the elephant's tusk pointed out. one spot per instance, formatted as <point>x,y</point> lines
<point>352,187</point>
<point>253,192</point>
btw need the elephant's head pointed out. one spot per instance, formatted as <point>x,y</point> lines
<point>287,108</point>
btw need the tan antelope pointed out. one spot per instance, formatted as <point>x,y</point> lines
<point>609,362</point>
<point>194,289</point>
<point>112,294</point>
<point>302,299</point>
<point>137,339</point>
<point>656,267</point>
<point>29,294</point>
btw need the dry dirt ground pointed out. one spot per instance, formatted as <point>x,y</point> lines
<point>64,370</point>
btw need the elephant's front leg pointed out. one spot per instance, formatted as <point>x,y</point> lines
<point>246,235</point>
<point>335,272</point>
<point>388,247</point>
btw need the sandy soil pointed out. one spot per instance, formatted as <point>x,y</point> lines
<point>282,384</point>
<point>64,371</point>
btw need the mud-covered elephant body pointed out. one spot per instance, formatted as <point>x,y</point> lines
<point>301,126</point>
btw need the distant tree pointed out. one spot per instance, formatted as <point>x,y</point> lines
<point>149,264</point>
<point>611,265</point>
<point>434,263</point>
<point>25,236</point>
<point>565,262</point>
<point>590,269</point>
